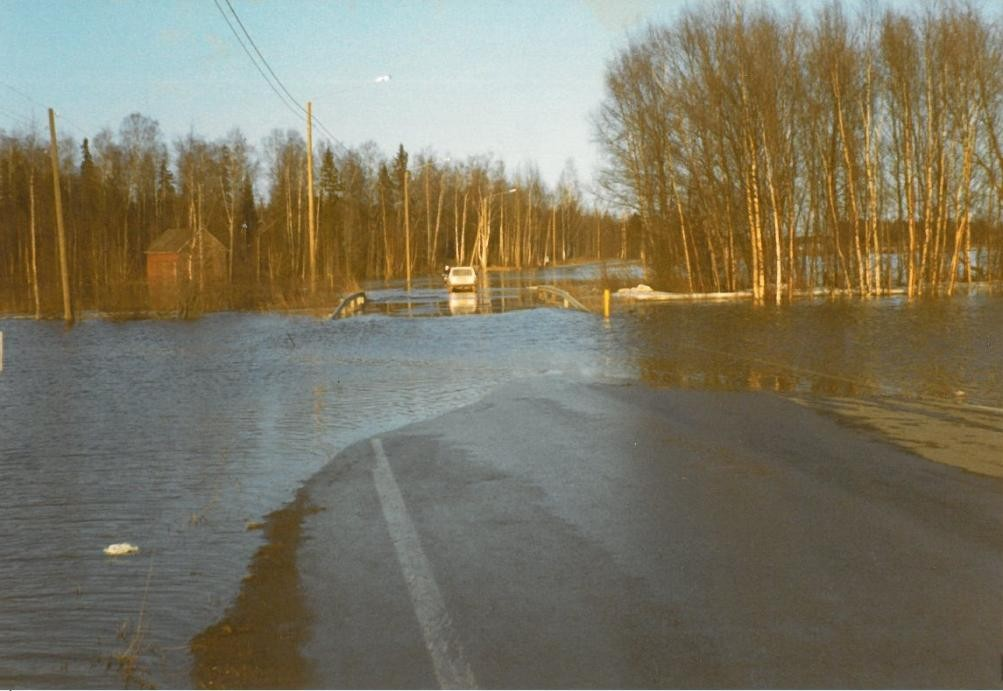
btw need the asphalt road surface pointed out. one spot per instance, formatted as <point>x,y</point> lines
<point>562,534</point>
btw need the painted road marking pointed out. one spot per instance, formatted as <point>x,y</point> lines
<point>443,645</point>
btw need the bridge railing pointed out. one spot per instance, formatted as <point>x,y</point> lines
<point>553,294</point>
<point>349,305</point>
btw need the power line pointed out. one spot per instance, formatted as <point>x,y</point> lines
<point>72,124</point>
<point>61,115</point>
<point>255,62</point>
<point>22,95</point>
<point>264,61</point>
<point>272,72</point>
<point>18,119</point>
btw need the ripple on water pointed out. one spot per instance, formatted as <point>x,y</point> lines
<point>175,435</point>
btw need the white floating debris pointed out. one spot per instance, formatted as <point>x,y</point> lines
<point>641,292</point>
<point>645,292</point>
<point>120,549</point>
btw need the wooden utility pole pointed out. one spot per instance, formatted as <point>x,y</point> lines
<point>34,250</point>
<point>64,270</point>
<point>407,233</point>
<point>312,223</point>
<point>200,239</point>
<point>428,219</point>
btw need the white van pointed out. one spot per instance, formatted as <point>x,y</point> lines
<point>461,278</point>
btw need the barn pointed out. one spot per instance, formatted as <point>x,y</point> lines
<point>172,263</point>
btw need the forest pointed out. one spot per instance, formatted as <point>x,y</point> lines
<point>783,153</point>
<point>375,217</point>
<point>744,148</point>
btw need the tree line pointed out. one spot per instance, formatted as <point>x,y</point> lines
<point>376,216</point>
<point>774,152</point>
<point>745,148</point>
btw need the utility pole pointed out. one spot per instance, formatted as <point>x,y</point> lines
<point>407,233</point>
<point>64,271</point>
<point>312,223</point>
<point>200,239</point>
<point>428,220</point>
<point>34,249</point>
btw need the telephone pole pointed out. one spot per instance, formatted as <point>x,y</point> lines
<point>64,271</point>
<point>407,232</point>
<point>311,224</point>
<point>34,245</point>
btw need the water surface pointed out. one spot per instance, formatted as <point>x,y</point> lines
<point>177,435</point>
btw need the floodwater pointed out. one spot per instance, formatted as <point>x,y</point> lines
<point>940,349</point>
<point>180,436</point>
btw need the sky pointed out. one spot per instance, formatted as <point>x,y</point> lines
<point>514,79</point>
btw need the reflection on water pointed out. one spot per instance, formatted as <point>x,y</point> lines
<point>496,292</point>
<point>947,349</point>
<point>176,436</point>
<point>437,302</point>
<point>462,303</point>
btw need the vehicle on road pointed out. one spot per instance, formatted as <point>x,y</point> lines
<point>461,278</point>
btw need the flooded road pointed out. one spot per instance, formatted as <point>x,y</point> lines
<point>639,537</point>
<point>180,436</point>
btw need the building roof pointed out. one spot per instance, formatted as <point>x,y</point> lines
<point>175,240</point>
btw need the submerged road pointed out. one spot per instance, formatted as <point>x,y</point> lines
<point>560,534</point>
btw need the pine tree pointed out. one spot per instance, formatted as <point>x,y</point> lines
<point>330,182</point>
<point>400,168</point>
<point>248,212</point>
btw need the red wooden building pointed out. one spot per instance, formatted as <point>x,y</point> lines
<point>173,263</point>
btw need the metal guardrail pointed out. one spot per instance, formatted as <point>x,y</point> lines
<point>547,293</point>
<point>349,305</point>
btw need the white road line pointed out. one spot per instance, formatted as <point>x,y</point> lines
<point>451,666</point>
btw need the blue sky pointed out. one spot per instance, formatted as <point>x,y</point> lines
<point>515,79</point>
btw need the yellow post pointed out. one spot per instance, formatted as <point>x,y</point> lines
<point>605,303</point>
